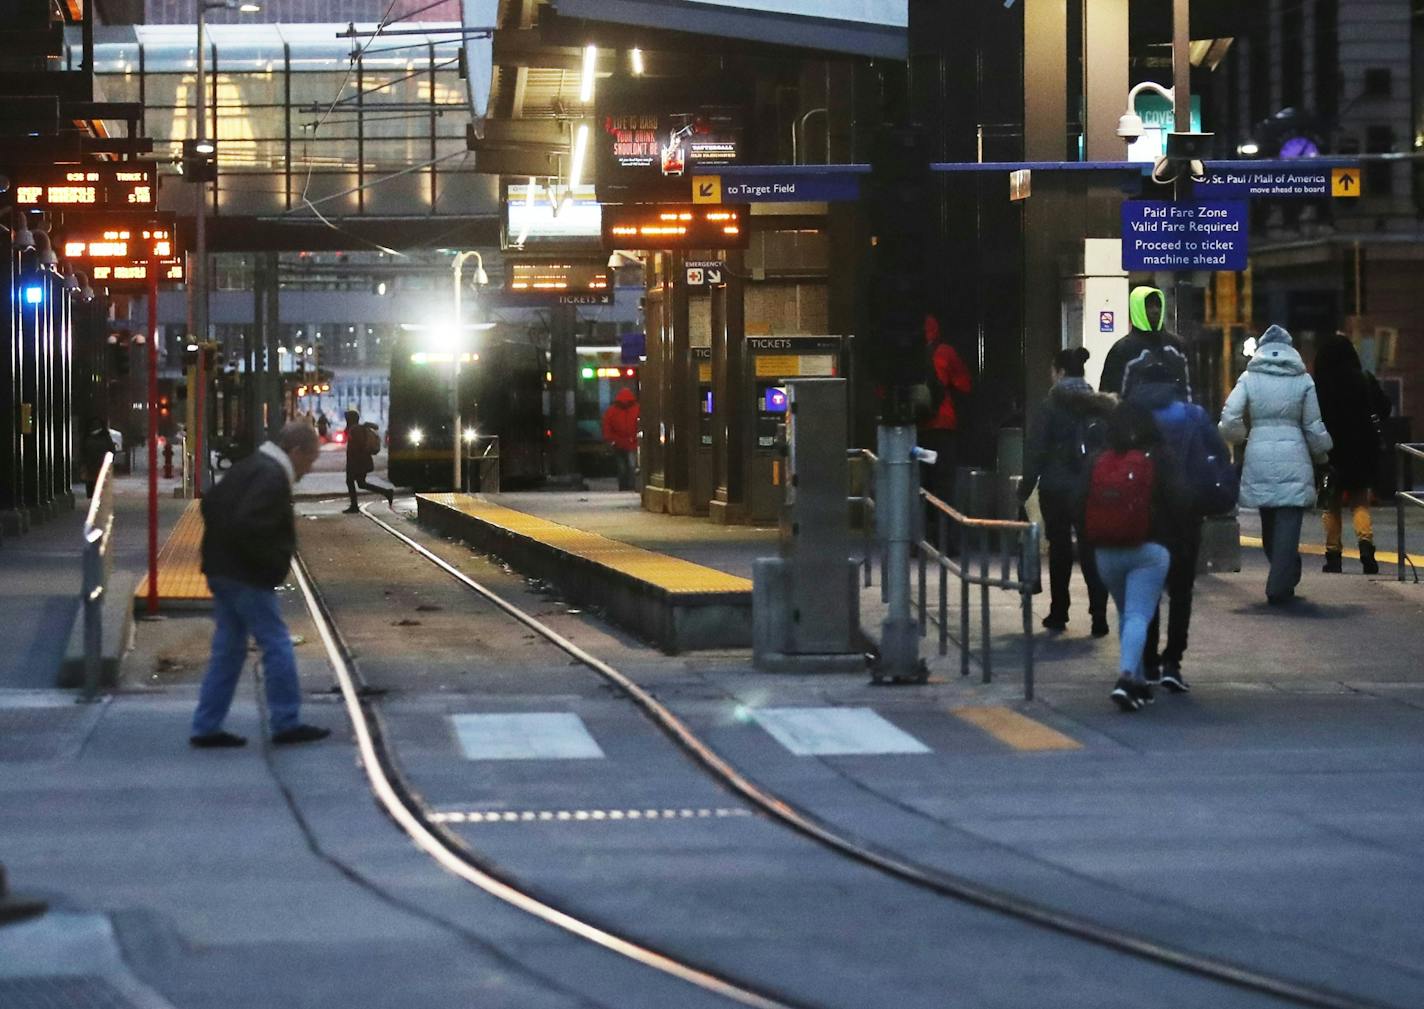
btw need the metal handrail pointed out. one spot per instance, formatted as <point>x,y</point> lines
<point>1405,493</point>
<point>977,539</point>
<point>98,567</point>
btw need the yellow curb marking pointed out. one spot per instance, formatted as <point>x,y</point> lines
<point>1018,731</point>
<point>1383,556</point>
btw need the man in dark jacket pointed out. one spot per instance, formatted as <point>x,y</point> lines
<point>362,444</point>
<point>1354,408</point>
<point>249,537</point>
<point>1148,345</point>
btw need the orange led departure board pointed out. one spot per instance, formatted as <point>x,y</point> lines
<point>115,249</point>
<point>675,226</point>
<point>97,187</point>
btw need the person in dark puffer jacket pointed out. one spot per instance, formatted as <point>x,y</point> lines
<point>249,538</point>
<point>1060,439</point>
<point>1353,407</point>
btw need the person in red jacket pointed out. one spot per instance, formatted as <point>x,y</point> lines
<point>620,430</point>
<point>940,431</point>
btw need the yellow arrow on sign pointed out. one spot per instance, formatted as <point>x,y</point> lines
<point>1344,182</point>
<point>707,189</point>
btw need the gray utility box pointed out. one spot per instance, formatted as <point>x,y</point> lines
<point>805,603</point>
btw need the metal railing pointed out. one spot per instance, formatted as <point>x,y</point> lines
<point>987,553</point>
<point>481,469</point>
<point>98,566</point>
<point>1405,492</point>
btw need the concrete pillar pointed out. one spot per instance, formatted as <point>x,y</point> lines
<point>730,427</point>
<point>1105,78</point>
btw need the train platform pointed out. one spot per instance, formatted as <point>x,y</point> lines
<point>1266,821</point>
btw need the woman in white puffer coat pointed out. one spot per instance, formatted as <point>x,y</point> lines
<point>1274,410</point>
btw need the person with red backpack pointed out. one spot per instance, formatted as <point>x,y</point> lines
<point>1131,517</point>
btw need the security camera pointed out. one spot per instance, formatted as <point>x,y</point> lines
<point>1130,127</point>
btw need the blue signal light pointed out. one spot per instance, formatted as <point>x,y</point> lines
<point>34,294</point>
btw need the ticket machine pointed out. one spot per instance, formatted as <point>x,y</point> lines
<point>772,361</point>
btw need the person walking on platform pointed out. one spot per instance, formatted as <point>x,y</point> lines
<point>1068,429</point>
<point>1275,411</point>
<point>362,444</point>
<point>1149,343</point>
<point>249,537</point>
<point>946,377</point>
<point>1209,486</point>
<point>323,426</point>
<point>1354,408</point>
<point>1131,518</point>
<point>620,431</point>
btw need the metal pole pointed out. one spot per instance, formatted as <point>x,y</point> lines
<point>152,605</point>
<point>899,634</point>
<point>1403,471</point>
<point>200,245</point>
<point>459,268</point>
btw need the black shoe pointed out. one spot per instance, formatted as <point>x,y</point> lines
<point>1143,692</point>
<point>1100,627</point>
<point>300,734</point>
<point>353,510</point>
<point>1151,672</point>
<point>1332,562</point>
<point>1172,679</point>
<point>1124,695</point>
<point>216,740</point>
<point>1367,558</point>
<point>390,499</point>
<point>1053,622</point>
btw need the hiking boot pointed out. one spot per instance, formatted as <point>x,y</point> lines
<point>216,740</point>
<point>1142,692</point>
<point>1172,679</point>
<point>1053,622</point>
<point>1367,558</point>
<point>1124,694</point>
<point>300,734</point>
<point>1100,627</point>
<point>1332,561</point>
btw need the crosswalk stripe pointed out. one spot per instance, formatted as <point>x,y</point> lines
<point>1016,730</point>
<point>541,735</point>
<point>835,731</point>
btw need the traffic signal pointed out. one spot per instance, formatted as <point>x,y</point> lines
<point>900,201</point>
<point>200,161</point>
<point>163,410</point>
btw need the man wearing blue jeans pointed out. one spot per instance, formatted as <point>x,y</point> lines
<point>249,537</point>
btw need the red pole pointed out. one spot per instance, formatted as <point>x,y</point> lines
<point>152,435</point>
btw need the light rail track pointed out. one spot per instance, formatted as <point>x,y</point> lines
<point>448,850</point>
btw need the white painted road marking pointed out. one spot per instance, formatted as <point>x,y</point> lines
<point>565,815</point>
<point>826,732</point>
<point>550,735</point>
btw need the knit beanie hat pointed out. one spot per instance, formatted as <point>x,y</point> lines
<point>1275,334</point>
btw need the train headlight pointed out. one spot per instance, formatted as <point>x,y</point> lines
<point>416,436</point>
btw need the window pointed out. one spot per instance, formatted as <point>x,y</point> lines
<point>1379,176</point>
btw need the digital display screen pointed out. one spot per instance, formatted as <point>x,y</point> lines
<point>547,217</point>
<point>648,136</point>
<point>555,276</point>
<point>774,400</point>
<point>109,275</point>
<point>675,226</point>
<point>105,187</point>
<point>115,251</point>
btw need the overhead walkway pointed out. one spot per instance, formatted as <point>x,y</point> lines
<point>675,603</point>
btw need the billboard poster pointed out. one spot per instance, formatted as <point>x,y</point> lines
<point>649,139</point>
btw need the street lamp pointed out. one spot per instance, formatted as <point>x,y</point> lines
<point>481,279</point>
<point>206,149</point>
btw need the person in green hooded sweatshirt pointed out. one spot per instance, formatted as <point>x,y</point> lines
<point>1148,344</point>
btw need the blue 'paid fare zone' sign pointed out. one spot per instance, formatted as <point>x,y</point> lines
<point>1184,235</point>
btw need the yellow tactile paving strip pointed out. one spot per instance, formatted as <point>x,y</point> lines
<point>671,574</point>
<point>180,578</point>
<point>1016,730</point>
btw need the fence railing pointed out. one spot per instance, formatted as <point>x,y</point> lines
<point>1406,493</point>
<point>98,566</point>
<point>978,552</point>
